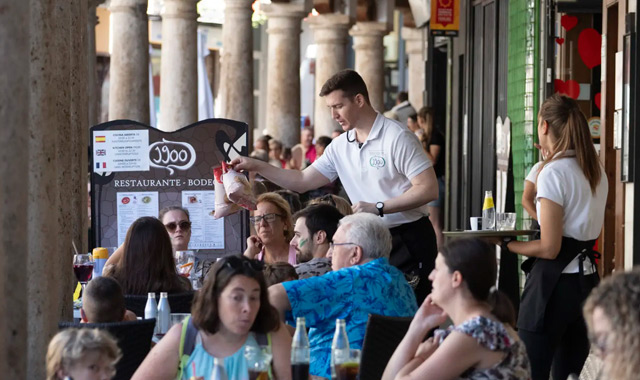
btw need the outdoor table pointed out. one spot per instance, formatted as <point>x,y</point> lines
<point>509,271</point>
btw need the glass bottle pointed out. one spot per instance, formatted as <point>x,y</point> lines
<point>218,372</point>
<point>488,212</point>
<point>300,356</point>
<point>164,313</point>
<point>339,346</point>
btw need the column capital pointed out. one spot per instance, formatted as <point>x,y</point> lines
<point>136,7</point>
<point>330,28</point>
<point>238,5</point>
<point>413,38</point>
<point>185,9</point>
<point>369,29</point>
<point>289,10</point>
<point>330,21</point>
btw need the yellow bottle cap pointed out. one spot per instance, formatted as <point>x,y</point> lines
<point>100,253</point>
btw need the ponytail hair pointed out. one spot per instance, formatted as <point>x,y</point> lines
<point>475,259</point>
<point>569,125</point>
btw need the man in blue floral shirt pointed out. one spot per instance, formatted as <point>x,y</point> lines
<point>362,282</point>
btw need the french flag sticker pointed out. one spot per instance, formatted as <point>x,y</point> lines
<point>102,165</point>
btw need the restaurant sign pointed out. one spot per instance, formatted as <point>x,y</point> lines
<point>445,17</point>
<point>137,170</point>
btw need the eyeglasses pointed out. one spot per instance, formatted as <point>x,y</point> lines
<point>269,218</point>
<point>332,244</point>
<point>184,225</point>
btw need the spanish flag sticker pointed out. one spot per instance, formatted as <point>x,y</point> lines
<point>101,139</point>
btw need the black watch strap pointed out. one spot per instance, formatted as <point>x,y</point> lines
<point>380,207</point>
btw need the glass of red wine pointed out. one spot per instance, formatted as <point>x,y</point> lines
<point>83,268</point>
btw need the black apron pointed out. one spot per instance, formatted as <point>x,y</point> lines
<point>542,277</point>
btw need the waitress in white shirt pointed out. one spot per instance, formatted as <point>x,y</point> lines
<point>571,192</point>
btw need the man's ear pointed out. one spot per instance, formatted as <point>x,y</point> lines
<point>83,316</point>
<point>359,99</point>
<point>356,256</point>
<point>320,237</point>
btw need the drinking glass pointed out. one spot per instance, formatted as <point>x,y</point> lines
<point>348,366</point>
<point>83,268</point>
<point>506,221</point>
<point>258,361</point>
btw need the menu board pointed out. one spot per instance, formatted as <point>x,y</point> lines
<point>137,170</point>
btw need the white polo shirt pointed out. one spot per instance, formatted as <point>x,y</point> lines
<point>382,169</point>
<point>563,182</point>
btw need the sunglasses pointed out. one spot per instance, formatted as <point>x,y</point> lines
<point>269,218</point>
<point>184,226</point>
<point>239,262</point>
<point>328,199</point>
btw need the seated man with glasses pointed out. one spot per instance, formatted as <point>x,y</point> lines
<point>362,282</point>
<point>313,230</point>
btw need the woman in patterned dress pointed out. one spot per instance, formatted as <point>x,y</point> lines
<point>482,343</point>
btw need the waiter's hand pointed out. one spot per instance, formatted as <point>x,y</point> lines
<point>244,163</point>
<point>365,207</point>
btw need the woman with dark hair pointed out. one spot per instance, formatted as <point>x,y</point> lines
<point>230,312</point>
<point>482,343</point>
<point>176,221</point>
<point>147,263</point>
<point>572,192</point>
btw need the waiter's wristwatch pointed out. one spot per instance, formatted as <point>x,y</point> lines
<point>380,207</point>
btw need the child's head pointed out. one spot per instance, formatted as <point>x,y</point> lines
<point>103,301</point>
<point>279,272</point>
<point>82,354</point>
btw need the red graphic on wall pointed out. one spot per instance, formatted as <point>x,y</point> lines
<point>597,100</point>
<point>125,200</point>
<point>560,41</point>
<point>570,88</point>
<point>568,22</point>
<point>444,13</point>
<point>589,44</point>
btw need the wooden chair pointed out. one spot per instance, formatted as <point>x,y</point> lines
<point>382,337</point>
<point>134,340</point>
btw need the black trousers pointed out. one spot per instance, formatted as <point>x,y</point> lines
<point>414,252</point>
<point>563,346</point>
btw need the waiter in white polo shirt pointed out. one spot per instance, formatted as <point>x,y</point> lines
<point>383,169</point>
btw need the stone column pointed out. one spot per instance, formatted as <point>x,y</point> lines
<point>14,155</point>
<point>330,34</point>
<point>179,70</point>
<point>283,81</point>
<point>414,48</point>
<point>92,84</point>
<point>75,187</point>
<point>367,44</point>
<point>236,63</point>
<point>129,71</point>
<point>47,273</point>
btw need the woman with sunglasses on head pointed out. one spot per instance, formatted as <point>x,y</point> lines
<point>230,312</point>
<point>274,230</point>
<point>572,192</point>
<point>176,221</point>
<point>147,263</point>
